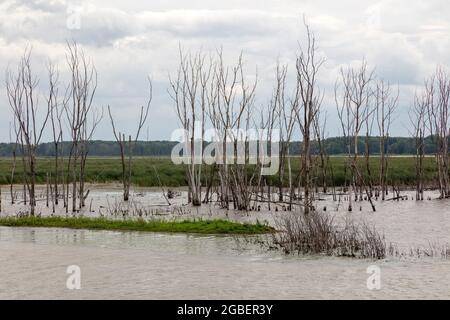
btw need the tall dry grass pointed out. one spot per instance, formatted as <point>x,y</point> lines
<point>318,233</point>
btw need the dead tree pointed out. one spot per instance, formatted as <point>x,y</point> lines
<point>354,108</point>
<point>344,115</point>
<point>78,107</point>
<point>267,124</point>
<point>438,114</point>
<point>232,111</point>
<point>230,105</point>
<point>22,93</point>
<point>286,122</point>
<point>369,126</point>
<point>309,101</point>
<point>189,93</point>
<point>323,159</point>
<point>417,116</point>
<point>14,164</point>
<point>87,131</point>
<point>56,112</point>
<point>385,103</point>
<point>123,147</point>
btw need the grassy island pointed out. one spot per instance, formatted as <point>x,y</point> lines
<point>186,226</point>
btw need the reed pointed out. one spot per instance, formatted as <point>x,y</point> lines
<point>317,233</point>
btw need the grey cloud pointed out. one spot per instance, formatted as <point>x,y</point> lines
<point>215,23</point>
<point>130,39</point>
<point>40,5</point>
<point>103,26</point>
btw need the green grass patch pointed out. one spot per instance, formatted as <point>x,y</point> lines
<point>401,171</point>
<point>186,226</point>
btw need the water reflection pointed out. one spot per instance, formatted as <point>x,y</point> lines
<point>187,244</point>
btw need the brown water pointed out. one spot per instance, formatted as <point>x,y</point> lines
<point>157,266</point>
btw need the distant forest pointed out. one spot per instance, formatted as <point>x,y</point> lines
<point>334,146</point>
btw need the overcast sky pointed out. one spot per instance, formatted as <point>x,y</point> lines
<point>129,40</point>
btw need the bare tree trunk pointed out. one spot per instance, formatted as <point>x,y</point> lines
<point>47,182</point>
<point>353,111</point>
<point>52,194</point>
<point>23,99</point>
<point>74,183</point>
<point>78,107</point>
<point>120,139</point>
<point>13,171</point>
<point>386,104</point>
<point>308,107</point>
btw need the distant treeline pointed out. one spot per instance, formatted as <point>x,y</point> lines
<point>334,146</point>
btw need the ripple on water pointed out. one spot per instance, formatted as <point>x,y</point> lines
<point>179,266</point>
<point>152,265</point>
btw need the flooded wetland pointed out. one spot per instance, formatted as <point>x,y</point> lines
<point>218,151</point>
<point>143,265</point>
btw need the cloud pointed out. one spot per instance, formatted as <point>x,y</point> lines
<point>216,23</point>
<point>129,40</point>
<point>37,5</point>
